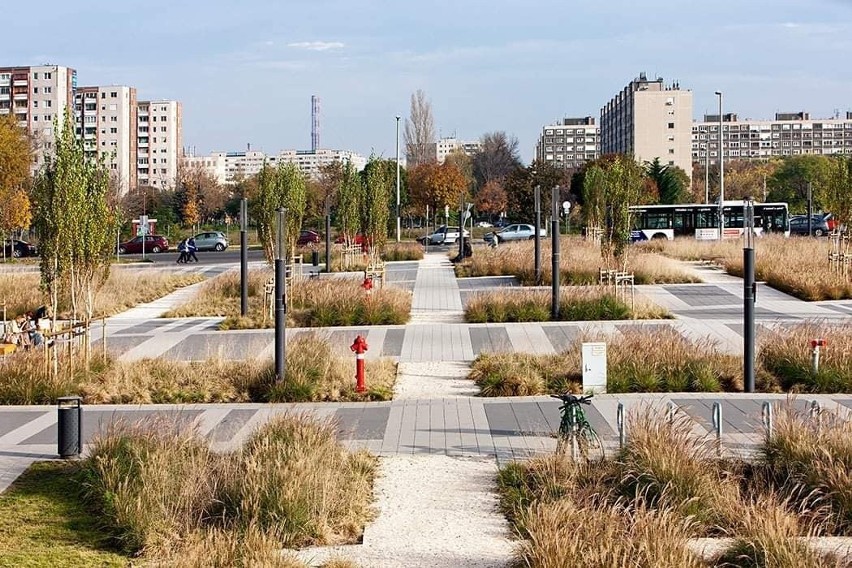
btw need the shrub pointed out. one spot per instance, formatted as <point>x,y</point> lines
<point>159,491</point>
<point>522,374</point>
<point>402,251</point>
<point>786,357</point>
<point>579,304</point>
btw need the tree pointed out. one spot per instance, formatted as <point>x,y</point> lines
<point>350,198</point>
<point>670,181</point>
<point>833,189</point>
<point>610,187</point>
<point>789,183</point>
<point>419,133</point>
<point>496,158</point>
<point>492,198</point>
<point>521,183</point>
<point>379,182</point>
<point>284,186</point>
<point>16,158</point>
<point>437,185</point>
<point>74,223</point>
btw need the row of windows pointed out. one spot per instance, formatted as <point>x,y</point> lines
<point>582,131</point>
<point>775,126</point>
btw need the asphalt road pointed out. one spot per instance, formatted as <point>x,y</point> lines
<point>229,256</point>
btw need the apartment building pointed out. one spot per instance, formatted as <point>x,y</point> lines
<point>790,134</point>
<point>445,146</point>
<point>105,119</point>
<point>38,96</point>
<point>649,120</point>
<point>569,143</point>
<point>160,143</point>
<point>226,167</point>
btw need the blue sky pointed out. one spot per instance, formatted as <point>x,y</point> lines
<point>245,70</point>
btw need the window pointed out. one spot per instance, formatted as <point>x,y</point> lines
<point>671,150</point>
<point>48,76</point>
<point>48,103</point>
<point>35,90</point>
<point>35,75</point>
<point>113,130</point>
<point>671,125</point>
<point>48,90</point>
<point>113,95</point>
<point>103,95</point>
<point>35,104</point>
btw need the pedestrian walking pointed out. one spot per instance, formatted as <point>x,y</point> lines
<point>182,249</point>
<point>191,248</point>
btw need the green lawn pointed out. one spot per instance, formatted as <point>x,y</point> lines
<point>43,523</point>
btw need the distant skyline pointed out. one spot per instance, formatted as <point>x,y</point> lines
<point>245,72</point>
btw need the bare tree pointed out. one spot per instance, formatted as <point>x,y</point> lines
<point>496,158</point>
<point>419,131</point>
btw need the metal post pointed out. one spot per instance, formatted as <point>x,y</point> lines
<point>327,235</point>
<point>619,420</point>
<point>721,172</point>
<point>554,257</point>
<point>670,411</point>
<point>810,211</point>
<point>538,235</point>
<point>244,257</point>
<point>717,426</point>
<point>749,296</point>
<point>707,172</point>
<point>574,442</point>
<point>397,180</point>
<point>814,410</point>
<point>461,228</point>
<point>280,299</point>
<point>766,414</point>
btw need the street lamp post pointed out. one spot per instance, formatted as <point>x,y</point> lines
<point>397,180</point>
<point>554,257</point>
<point>749,296</point>
<point>721,172</point>
<point>244,257</point>
<point>537,235</point>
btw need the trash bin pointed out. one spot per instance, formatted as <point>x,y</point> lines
<point>315,258</point>
<point>69,426</point>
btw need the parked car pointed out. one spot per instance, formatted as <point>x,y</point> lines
<point>484,224</point>
<point>516,232</point>
<point>213,240</point>
<point>308,237</point>
<point>443,235</point>
<point>153,243</point>
<point>819,225</point>
<point>359,239</point>
<point>17,248</point>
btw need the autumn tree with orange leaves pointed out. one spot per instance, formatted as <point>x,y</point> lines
<point>437,185</point>
<point>16,159</point>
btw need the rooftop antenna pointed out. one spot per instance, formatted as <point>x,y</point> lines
<point>315,126</point>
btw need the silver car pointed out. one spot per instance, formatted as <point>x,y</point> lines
<point>516,232</point>
<point>213,240</point>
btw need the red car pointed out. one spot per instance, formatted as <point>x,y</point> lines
<point>358,240</point>
<point>153,243</point>
<point>307,237</point>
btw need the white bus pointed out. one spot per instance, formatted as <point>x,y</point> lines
<point>701,220</point>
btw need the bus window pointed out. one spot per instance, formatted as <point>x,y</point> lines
<point>705,220</point>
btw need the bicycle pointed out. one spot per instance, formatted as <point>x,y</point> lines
<point>575,429</point>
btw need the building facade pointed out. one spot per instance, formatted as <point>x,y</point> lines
<point>39,96</point>
<point>105,119</point>
<point>227,167</point>
<point>790,134</point>
<point>649,120</point>
<point>445,146</point>
<point>160,143</point>
<point>569,143</point>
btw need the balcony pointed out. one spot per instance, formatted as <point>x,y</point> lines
<point>20,83</point>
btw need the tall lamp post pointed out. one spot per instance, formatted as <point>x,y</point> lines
<point>397,179</point>
<point>554,256</point>
<point>721,172</point>
<point>749,296</point>
<point>537,195</point>
<point>244,257</point>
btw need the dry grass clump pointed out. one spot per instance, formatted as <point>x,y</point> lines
<point>580,264</point>
<point>123,289</point>
<point>669,362</point>
<point>811,462</point>
<point>322,302</point>
<point>797,266</point>
<point>663,488</point>
<point>786,358</point>
<point>314,373</point>
<point>593,303</point>
<point>402,251</point>
<point>160,492</point>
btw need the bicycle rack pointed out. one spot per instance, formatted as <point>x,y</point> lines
<point>619,421</point>
<point>670,412</point>
<point>766,415</point>
<point>574,446</point>
<point>717,426</point>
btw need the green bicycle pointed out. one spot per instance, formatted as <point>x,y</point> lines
<point>575,432</point>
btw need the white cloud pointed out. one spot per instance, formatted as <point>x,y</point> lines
<point>316,45</point>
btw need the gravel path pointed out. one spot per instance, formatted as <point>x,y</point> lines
<point>434,511</point>
<point>433,379</point>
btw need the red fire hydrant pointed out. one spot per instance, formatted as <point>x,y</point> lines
<point>815,345</point>
<point>359,347</point>
<point>368,285</point>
